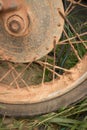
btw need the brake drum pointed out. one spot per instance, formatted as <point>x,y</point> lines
<point>44,25</point>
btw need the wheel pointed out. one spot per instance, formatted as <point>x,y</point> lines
<point>46,68</point>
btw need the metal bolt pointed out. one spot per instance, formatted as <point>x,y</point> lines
<point>15,24</point>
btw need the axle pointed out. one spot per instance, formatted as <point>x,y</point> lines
<point>14,16</point>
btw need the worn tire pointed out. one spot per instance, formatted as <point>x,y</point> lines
<point>68,98</point>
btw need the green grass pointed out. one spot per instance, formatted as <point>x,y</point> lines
<point>70,118</point>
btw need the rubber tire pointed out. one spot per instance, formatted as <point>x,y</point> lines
<point>23,110</point>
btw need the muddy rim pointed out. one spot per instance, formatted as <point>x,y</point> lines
<point>52,75</point>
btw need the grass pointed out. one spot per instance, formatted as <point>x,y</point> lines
<point>71,118</point>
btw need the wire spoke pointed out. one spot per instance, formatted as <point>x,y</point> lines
<point>50,65</point>
<point>54,59</point>
<point>72,28</point>
<point>6,74</point>
<point>20,74</point>
<point>46,64</point>
<point>51,70</point>
<point>69,9</point>
<point>76,42</point>
<point>73,48</point>
<point>13,75</point>
<point>78,3</point>
<point>17,76</point>
<point>16,83</point>
<point>44,70</point>
<point>72,38</point>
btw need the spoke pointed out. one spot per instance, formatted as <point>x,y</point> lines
<point>20,74</point>
<point>73,48</point>
<point>78,42</point>
<point>78,3</point>
<point>54,62</point>
<point>77,34</point>
<point>75,42</point>
<point>46,64</point>
<point>16,83</point>
<point>74,2</point>
<point>69,9</point>
<point>72,28</point>
<point>56,67</point>
<point>82,5</point>
<point>72,38</point>
<point>12,68</point>
<point>72,5</point>
<point>5,75</point>
<point>19,77</point>
<point>54,72</point>
<point>44,70</point>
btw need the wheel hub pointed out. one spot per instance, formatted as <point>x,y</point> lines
<point>28,29</point>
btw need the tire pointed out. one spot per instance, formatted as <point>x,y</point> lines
<point>73,96</point>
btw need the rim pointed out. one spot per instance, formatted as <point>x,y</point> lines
<point>46,78</point>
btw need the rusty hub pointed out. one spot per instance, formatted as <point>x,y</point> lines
<point>28,29</point>
<point>15,24</point>
<point>14,15</point>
